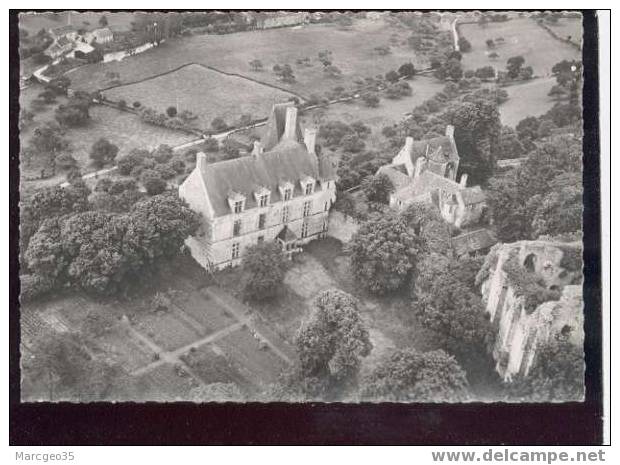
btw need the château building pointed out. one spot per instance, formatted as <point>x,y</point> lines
<point>282,192</point>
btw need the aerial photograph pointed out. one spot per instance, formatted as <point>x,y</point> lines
<point>301,206</point>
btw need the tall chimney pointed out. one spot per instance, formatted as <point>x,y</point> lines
<point>463,182</point>
<point>450,130</point>
<point>201,160</point>
<point>420,164</point>
<point>258,149</point>
<point>310,140</point>
<point>290,125</point>
<point>408,144</point>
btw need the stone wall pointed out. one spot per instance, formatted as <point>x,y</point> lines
<point>522,327</point>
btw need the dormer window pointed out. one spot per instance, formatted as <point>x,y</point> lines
<point>286,190</point>
<point>236,202</point>
<point>262,197</point>
<point>307,185</point>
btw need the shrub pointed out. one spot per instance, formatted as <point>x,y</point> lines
<point>171,111</point>
<point>153,182</point>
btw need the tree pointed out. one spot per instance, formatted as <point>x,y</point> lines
<point>490,43</point>
<point>477,132</point>
<point>59,85</point>
<point>264,265</point>
<point>378,188</point>
<point>332,71</point>
<point>486,72</point>
<point>464,45</point>
<point>407,70</point>
<point>171,111</point>
<point>218,124</point>
<point>211,145</point>
<point>74,114</point>
<point>447,302</point>
<point>383,253</point>
<point>513,66</point>
<point>561,210</point>
<point>163,153</point>
<point>427,223</point>
<point>48,139</point>
<point>352,143</point>
<point>153,182</point>
<point>371,99</point>
<point>493,55</point>
<point>103,21</point>
<point>256,65</point>
<point>65,161</point>
<point>332,341</point>
<point>103,151</point>
<point>325,57</point>
<point>230,149</point>
<point>556,376</point>
<point>133,159</point>
<point>407,375</point>
<point>392,76</point>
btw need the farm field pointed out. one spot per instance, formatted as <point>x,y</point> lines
<point>164,352</point>
<point>388,112</point>
<point>352,52</point>
<point>527,99</point>
<point>204,92</point>
<point>522,36</point>
<point>568,27</point>
<point>122,129</point>
<point>117,21</point>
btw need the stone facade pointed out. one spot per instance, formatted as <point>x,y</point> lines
<point>521,328</point>
<point>425,171</point>
<point>284,194</point>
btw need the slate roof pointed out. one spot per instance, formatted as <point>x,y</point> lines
<point>288,161</point>
<point>473,195</point>
<point>275,126</point>
<point>473,241</point>
<point>439,149</point>
<point>286,235</point>
<point>397,176</point>
<point>426,183</point>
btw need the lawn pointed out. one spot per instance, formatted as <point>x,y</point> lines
<point>527,99</point>
<point>522,36</point>
<point>353,52</point>
<point>204,92</point>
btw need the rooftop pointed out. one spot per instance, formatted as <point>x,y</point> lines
<point>473,241</point>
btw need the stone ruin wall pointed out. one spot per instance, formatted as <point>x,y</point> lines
<point>519,329</point>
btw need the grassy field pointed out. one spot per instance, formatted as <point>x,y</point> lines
<point>204,92</point>
<point>353,52</point>
<point>121,128</point>
<point>568,27</point>
<point>33,23</point>
<point>527,99</point>
<point>522,36</point>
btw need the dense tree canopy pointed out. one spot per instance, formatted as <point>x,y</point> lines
<point>332,342</point>
<point>383,252</point>
<point>409,376</point>
<point>264,266</point>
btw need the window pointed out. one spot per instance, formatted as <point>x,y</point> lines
<point>263,200</point>
<point>307,208</point>
<point>326,206</point>
<point>288,193</point>
<point>260,239</point>
<point>304,230</point>
<point>309,187</point>
<point>238,206</point>
<point>285,214</point>
<point>325,226</point>
<point>237,227</point>
<point>262,218</point>
<point>235,250</point>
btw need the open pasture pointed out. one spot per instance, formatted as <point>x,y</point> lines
<point>566,27</point>
<point>87,20</point>
<point>352,51</point>
<point>527,99</point>
<point>522,36</point>
<point>204,92</point>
